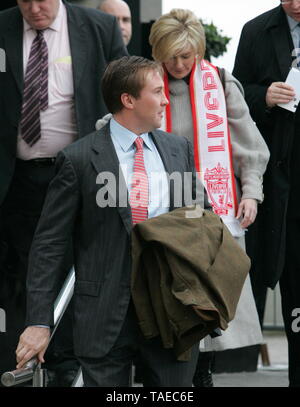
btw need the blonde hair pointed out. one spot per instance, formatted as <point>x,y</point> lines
<point>173,32</point>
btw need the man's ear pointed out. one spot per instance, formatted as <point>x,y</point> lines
<point>127,100</point>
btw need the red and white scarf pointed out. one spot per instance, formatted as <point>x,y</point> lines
<point>212,146</point>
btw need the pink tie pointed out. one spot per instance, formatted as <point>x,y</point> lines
<point>139,195</point>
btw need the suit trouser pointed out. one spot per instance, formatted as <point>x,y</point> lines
<point>290,293</point>
<point>259,287</point>
<point>20,213</point>
<point>161,367</point>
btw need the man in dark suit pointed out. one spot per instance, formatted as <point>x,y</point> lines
<point>78,43</point>
<point>88,200</point>
<point>264,58</point>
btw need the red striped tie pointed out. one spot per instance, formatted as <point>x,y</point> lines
<point>139,194</point>
<point>35,94</point>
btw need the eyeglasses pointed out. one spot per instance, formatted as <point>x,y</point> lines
<point>289,1</point>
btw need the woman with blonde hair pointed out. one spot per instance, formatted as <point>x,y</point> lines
<point>230,153</point>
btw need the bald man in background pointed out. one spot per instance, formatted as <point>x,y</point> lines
<point>121,11</point>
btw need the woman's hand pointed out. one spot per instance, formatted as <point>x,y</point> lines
<point>248,211</point>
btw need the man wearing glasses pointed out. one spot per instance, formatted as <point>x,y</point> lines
<point>268,48</point>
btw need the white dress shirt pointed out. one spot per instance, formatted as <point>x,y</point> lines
<point>123,140</point>
<point>58,124</point>
<point>295,31</point>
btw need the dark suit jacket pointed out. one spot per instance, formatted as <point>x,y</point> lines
<point>94,40</point>
<point>101,239</point>
<point>264,56</point>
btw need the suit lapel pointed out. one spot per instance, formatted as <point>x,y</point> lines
<point>105,160</point>
<point>78,43</point>
<point>14,48</point>
<point>169,154</point>
<point>282,41</point>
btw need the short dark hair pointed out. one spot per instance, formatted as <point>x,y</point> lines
<point>126,75</point>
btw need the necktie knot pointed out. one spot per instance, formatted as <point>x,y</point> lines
<point>139,143</point>
<point>40,36</point>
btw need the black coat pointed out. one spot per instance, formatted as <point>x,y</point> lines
<point>94,40</point>
<point>264,56</point>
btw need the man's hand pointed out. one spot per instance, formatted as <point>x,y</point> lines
<point>247,209</point>
<point>279,92</point>
<point>33,342</point>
